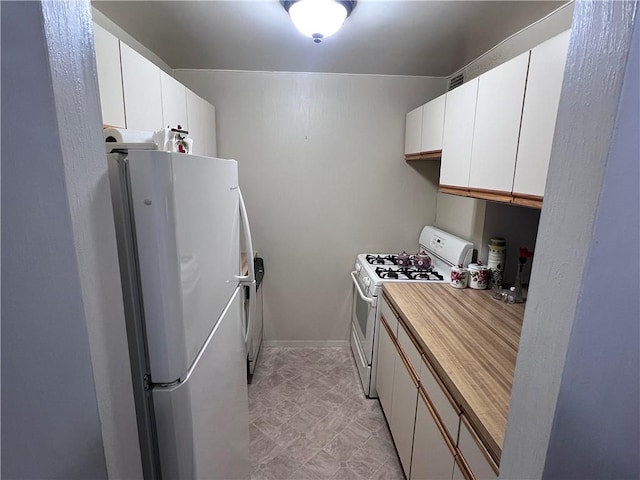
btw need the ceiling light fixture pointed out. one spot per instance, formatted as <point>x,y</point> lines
<point>318,19</point>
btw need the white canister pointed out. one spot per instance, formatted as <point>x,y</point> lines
<point>497,250</point>
<point>478,276</point>
<point>459,277</point>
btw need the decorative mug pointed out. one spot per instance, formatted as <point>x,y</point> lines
<point>459,277</point>
<point>479,276</point>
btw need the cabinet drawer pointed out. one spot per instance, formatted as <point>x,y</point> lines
<point>447,411</point>
<point>411,353</point>
<point>390,317</point>
<point>475,455</point>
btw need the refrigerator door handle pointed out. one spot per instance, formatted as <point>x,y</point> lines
<point>248,244</point>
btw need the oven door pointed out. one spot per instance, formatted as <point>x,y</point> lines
<point>363,318</point>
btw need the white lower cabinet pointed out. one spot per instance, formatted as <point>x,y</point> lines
<point>432,457</point>
<point>475,455</point>
<point>403,415</point>
<point>432,436</point>
<point>386,364</point>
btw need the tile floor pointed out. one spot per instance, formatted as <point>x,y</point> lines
<point>309,419</point>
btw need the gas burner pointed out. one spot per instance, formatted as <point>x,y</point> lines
<point>382,259</point>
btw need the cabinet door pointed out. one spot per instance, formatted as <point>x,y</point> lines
<point>433,124</point>
<point>142,91</point>
<point>497,125</point>
<point>432,458</point>
<point>544,83</point>
<point>201,116</point>
<point>403,414</point>
<point>174,102</point>
<point>384,375</point>
<point>475,455</point>
<point>109,77</point>
<point>457,140</point>
<point>413,132</point>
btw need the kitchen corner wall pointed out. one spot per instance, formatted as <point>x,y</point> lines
<point>323,173</point>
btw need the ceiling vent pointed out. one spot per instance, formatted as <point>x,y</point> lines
<point>455,82</point>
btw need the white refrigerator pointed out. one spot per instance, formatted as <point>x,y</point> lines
<point>178,225</point>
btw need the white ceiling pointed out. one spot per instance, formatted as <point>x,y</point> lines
<point>394,37</point>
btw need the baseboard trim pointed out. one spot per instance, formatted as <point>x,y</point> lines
<point>305,343</point>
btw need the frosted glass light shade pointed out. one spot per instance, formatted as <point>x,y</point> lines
<point>318,19</point>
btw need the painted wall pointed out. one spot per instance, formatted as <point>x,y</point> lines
<point>596,432</point>
<point>322,170</point>
<point>50,422</point>
<point>583,305</point>
<point>67,406</point>
<point>527,38</point>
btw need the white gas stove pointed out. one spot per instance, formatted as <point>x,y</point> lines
<point>438,251</point>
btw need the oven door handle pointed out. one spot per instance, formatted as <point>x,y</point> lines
<point>369,300</point>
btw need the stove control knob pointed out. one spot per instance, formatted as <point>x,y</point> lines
<point>358,267</point>
<point>367,282</point>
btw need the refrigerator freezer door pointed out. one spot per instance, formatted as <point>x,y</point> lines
<point>186,211</point>
<point>202,423</point>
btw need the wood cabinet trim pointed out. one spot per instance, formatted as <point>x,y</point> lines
<point>431,155</point>
<point>493,195</point>
<point>436,418</point>
<point>492,462</point>
<point>386,326</point>
<point>403,357</point>
<point>407,364</point>
<point>452,190</point>
<point>441,384</point>
<point>526,200</point>
<point>412,338</point>
<point>463,466</point>
<point>521,199</point>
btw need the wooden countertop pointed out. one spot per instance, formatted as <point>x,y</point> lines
<point>471,340</point>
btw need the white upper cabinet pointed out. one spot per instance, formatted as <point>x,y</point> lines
<point>433,124</point>
<point>413,132</point>
<point>497,125</point>
<point>201,117</point>
<point>457,138</point>
<point>544,83</point>
<point>142,91</point>
<point>109,77</point>
<point>174,102</point>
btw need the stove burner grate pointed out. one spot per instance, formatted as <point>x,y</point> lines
<point>407,273</point>
<point>382,259</point>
